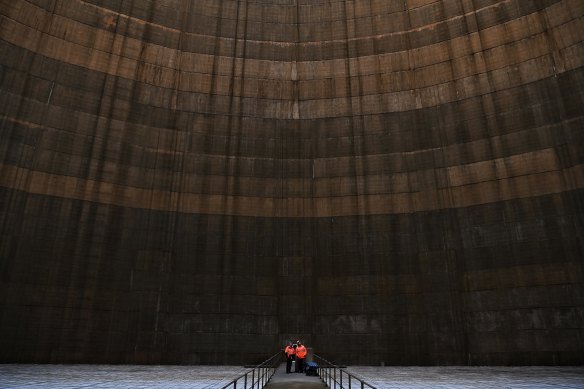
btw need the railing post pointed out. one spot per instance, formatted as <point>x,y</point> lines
<point>341,378</point>
<point>349,381</point>
<point>245,381</point>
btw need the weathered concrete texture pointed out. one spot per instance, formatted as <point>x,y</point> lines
<point>196,181</point>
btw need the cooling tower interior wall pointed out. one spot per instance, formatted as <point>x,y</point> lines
<point>395,182</point>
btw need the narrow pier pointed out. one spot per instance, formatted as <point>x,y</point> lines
<point>293,380</point>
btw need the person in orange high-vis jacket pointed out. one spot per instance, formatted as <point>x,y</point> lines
<point>290,355</point>
<point>300,357</point>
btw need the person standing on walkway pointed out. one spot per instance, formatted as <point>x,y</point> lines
<point>290,355</point>
<point>300,357</point>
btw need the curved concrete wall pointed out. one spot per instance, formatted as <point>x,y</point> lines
<point>196,181</point>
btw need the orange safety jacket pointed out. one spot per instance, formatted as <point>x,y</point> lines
<point>289,351</point>
<point>301,352</point>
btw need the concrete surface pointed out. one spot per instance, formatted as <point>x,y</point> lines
<point>194,182</point>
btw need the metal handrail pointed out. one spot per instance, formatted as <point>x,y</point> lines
<point>332,376</point>
<point>257,377</point>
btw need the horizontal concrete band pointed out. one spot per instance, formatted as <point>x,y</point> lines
<point>468,57</point>
<point>536,184</point>
<point>341,39</point>
<point>203,313</point>
<point>321,177</point>
<point>340,294</point>
<point>404,255</point>
<point>517,232</point>
<point>390,143</point>
<point>388,283</point>
<point>338,97</point>
<point>79,156</point>
<point>299,19</point>
<point>124,57</point>
<point>332,98</point>
<point>347,82</point>
<point>540,275</point>
<point>558,19</point>
<point>84,116</point>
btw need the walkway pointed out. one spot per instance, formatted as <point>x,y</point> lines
<point>293,380</point>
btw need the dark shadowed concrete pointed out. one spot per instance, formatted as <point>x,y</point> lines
<point>293,380</point>
<point>195,182</point>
